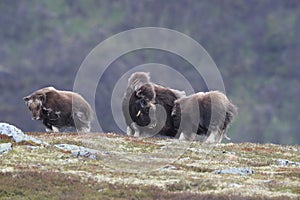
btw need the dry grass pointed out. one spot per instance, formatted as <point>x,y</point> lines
<point>147,169</point>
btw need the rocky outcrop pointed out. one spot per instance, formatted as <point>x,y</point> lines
<point>77,151</point>
<point>239,171</point>
<point>8,131</point>
<point>5,147</point>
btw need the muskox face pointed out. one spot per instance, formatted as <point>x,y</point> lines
<point>34,104</point>
<point>146,92</point>
<point>145,115</point>
<point>142,110</point>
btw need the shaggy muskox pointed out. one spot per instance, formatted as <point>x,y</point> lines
<point>203,116</point>
<point>147,107</point>
<point>58,109</point>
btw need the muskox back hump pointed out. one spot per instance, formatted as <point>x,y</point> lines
<point>202,113</point>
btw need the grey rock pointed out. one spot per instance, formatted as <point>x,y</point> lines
<point>287,162</point>
<point>168,167</point>
<point>12,132</point>
<point>235,185</point>
<point>239,171</point>
<point>34,141</point>
<point>77,151</point>
<point>5,148</point>
<point>29,147</point>
<point>17,135</point>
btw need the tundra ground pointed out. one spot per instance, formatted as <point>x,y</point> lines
<point>147,168</point>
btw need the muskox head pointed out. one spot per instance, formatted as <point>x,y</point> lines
<point>139,108</point>
<point>147,93</point>
<point>139,102</point>
<point>145,112</point>
<point>35,102</point>
<point>142,93</point>
<point>145,99</point>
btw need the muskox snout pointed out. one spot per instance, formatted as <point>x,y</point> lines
<point>36,118</point>
<point>26,98</point>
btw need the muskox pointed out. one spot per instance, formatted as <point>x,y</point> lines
<point>203,116</point>
<point>60,109</point>
<point>147,107</point>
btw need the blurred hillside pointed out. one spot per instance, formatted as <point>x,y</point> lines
<point>254,43</point>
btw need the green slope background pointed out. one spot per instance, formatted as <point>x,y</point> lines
<point>255,45</point>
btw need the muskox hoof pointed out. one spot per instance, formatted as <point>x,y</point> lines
<point>84,129</point>
<point>152,126</point>
<point>55,129</point>
<point>214,137</point>
<point>137,134</point>
<point>187,137</point>
<point>182,137</point>
<point>48,130</point>
<point>129,131</point>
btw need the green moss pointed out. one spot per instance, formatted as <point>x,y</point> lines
<point>6,140</point>
<point>67,141</point>
<point>139,146</point>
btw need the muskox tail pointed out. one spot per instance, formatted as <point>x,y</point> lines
<point>231,112</point>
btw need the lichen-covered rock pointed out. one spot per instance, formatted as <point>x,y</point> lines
<point>287,162</point>
<point>10,131</point>
<point>7,130</point>
<point>239,171</point>
<point>77,151</point>
<point>5,148</point>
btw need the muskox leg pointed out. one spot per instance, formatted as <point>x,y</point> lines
<point>214,135</point>
<point>55,129</point>
<point>48,130</point>
<point>48,126</point>
<point>189,137</point>
<point>200,138</point>
<point>133,130</point>
<point>129,131</point>
<point>136,130</point>
<point>81,123</point>
<point>52,129</point>
<point>84,129</point>
<point>223,135</point>
<point>182,136</point>
<point>137,134</point>
<point>152,115</point>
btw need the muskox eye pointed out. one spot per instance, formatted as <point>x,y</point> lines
<point>143,103</point>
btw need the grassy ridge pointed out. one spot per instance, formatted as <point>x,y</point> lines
<point>148,168</point>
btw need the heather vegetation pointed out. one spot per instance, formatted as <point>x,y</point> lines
<point>149,168</point>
